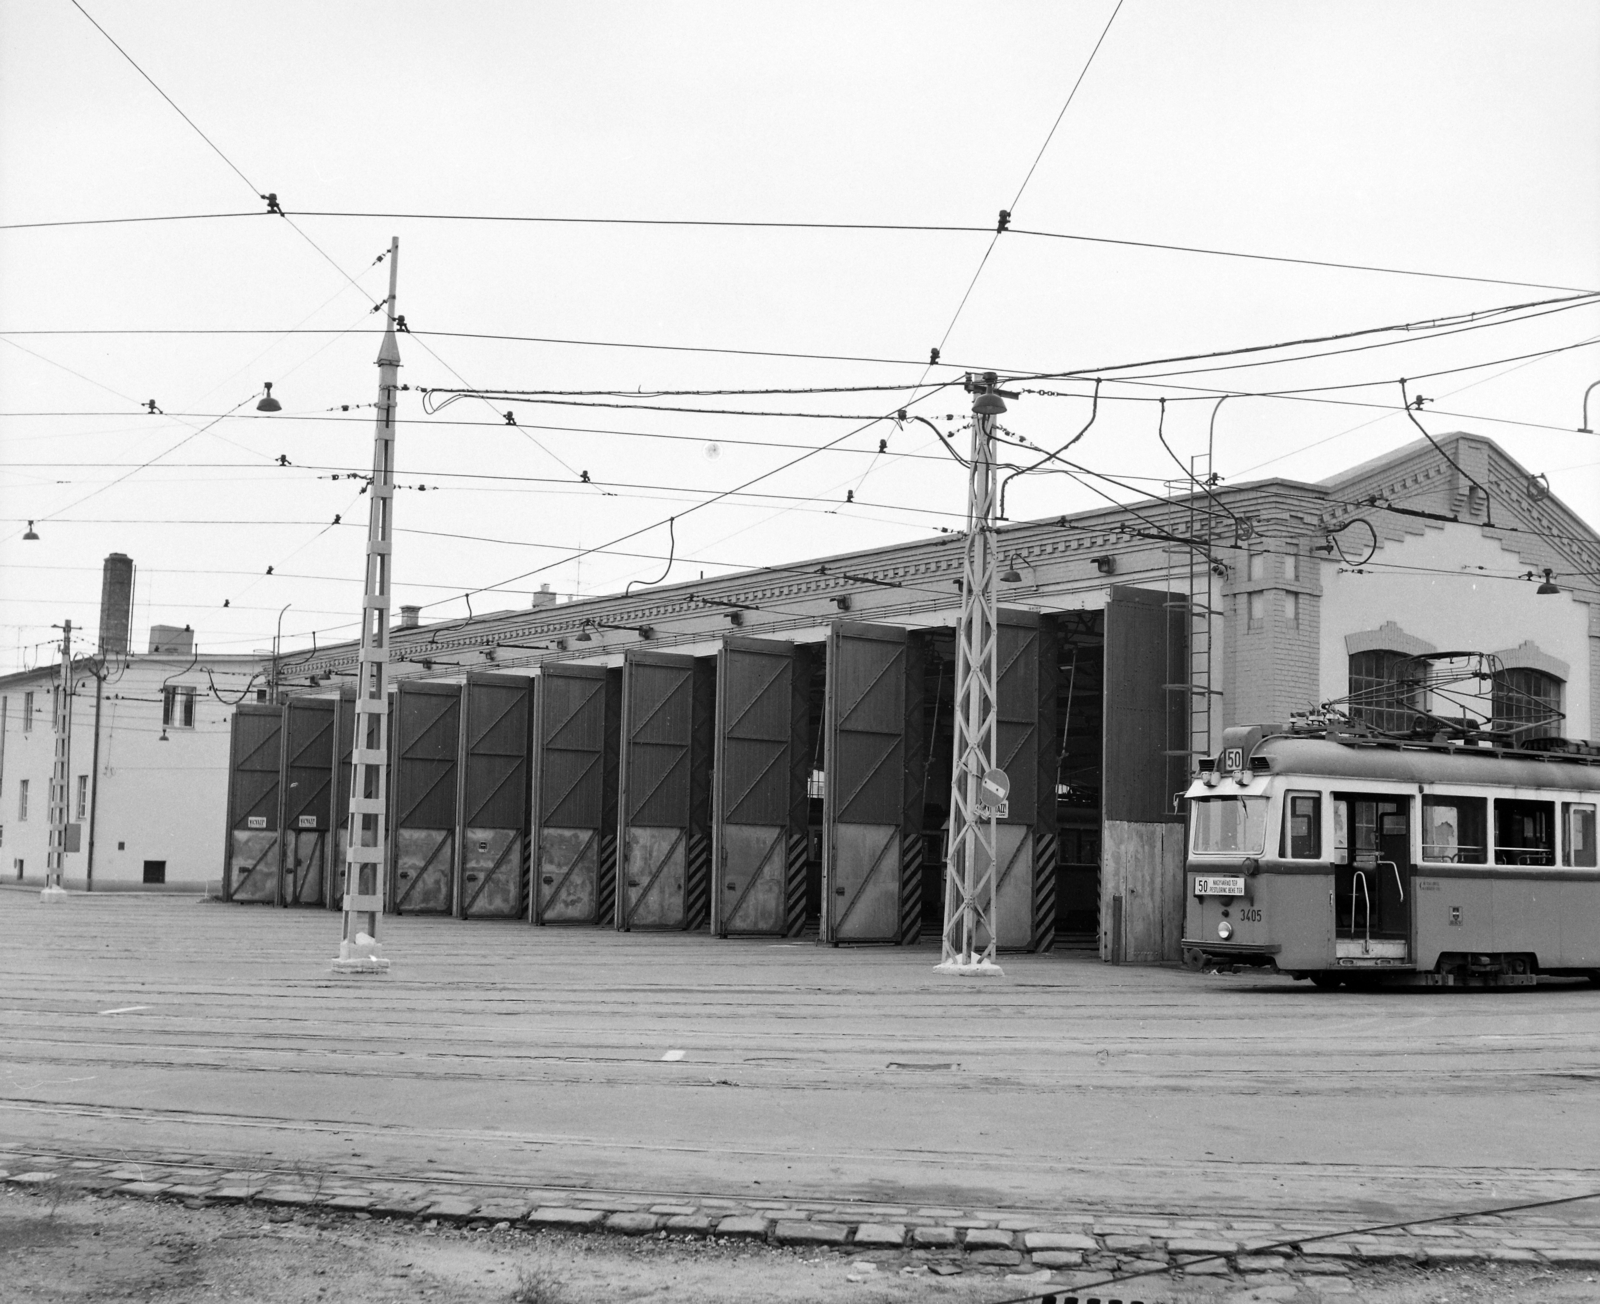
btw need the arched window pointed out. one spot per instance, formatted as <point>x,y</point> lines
<point>1379,695</point>
<point>1527,703</point>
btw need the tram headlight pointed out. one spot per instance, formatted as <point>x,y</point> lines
<point>1224,930</point>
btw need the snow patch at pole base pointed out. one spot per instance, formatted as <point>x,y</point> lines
<point>970,966</point>
<point>52,893</point>
<point>364,955</point>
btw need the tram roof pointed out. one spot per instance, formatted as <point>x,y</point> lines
<point>1426,763</point>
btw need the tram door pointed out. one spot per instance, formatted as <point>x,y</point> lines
<point>1372,872</point>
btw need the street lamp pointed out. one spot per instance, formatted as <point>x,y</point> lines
<point>276,640</point>
<point>1584,428</point>
<point>269,404</point>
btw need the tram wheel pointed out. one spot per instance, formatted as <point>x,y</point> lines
<point>1326,980</point>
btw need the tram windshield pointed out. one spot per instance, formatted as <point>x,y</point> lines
<point>1230,824</point>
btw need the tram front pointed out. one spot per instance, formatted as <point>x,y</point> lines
<point>1293,869</point>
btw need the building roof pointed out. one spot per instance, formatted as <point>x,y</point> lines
<point>47,671</point>
<point>1413,488</point>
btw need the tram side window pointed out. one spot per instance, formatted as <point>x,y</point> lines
<point>1302,826</point>
<point>1454,829</point>
<point>1524,832</point>
<point>1580,850</point>
<point>1230,824</point>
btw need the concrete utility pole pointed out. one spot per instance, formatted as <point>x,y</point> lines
<point>977,787</point>
<point>368,838</point>
<point>60,775</point>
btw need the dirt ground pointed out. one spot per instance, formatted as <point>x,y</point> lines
<point>64,1247</point>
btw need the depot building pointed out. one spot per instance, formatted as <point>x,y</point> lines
<point>769,752</point>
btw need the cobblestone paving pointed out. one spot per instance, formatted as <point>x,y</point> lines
<point>1050,1251</point>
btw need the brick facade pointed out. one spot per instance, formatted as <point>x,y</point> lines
<point>1271,667</point>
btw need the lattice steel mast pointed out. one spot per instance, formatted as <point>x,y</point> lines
<point>368,838</point>
<point>970,877</point>
<point>60,771</point>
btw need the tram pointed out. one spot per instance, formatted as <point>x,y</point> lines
<point>1350,858</point>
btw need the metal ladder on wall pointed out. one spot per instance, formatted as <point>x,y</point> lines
<point>1190,584</point>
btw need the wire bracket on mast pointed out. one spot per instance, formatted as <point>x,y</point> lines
<point>976,786</point>
<point>368,838</point>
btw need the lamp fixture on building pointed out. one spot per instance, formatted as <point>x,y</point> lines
<point>1011,575</point>
<point>1105,565</point>
<point>1584,428</point>
<point>30,536</point>
<point>1549,585</point>
<point>269,404</point>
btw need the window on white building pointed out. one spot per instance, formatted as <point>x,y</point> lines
<point>1383,690</point>
<point>1527,703</point>
<point>1258,566</point>
<point>1291,609</point>
<point>1258,610</point>
<point>83,797</point>
<point>177,707</point>
<point>1291,566</point>
<point>27,713</point>
<point>22,801</point>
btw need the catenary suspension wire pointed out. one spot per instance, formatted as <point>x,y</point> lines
<point>532,439</point>
<point>792,462</point>
<point>1001,226</point>
<point>193,434</point>
<point>1074,236</point>
<point>237,171</point>
<point>215,148</point>
<point>1082,73</point>
<point>1436,325</point>
<point>1438,334</point>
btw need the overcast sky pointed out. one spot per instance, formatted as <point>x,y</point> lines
<point>1450,137</point>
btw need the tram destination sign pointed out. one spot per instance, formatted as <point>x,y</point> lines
<point>1230,885</point>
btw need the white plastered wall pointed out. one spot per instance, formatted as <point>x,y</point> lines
<point>1447,603</point>
<point>159,800</point>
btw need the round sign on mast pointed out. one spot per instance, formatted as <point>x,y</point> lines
<point>993,790</point>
